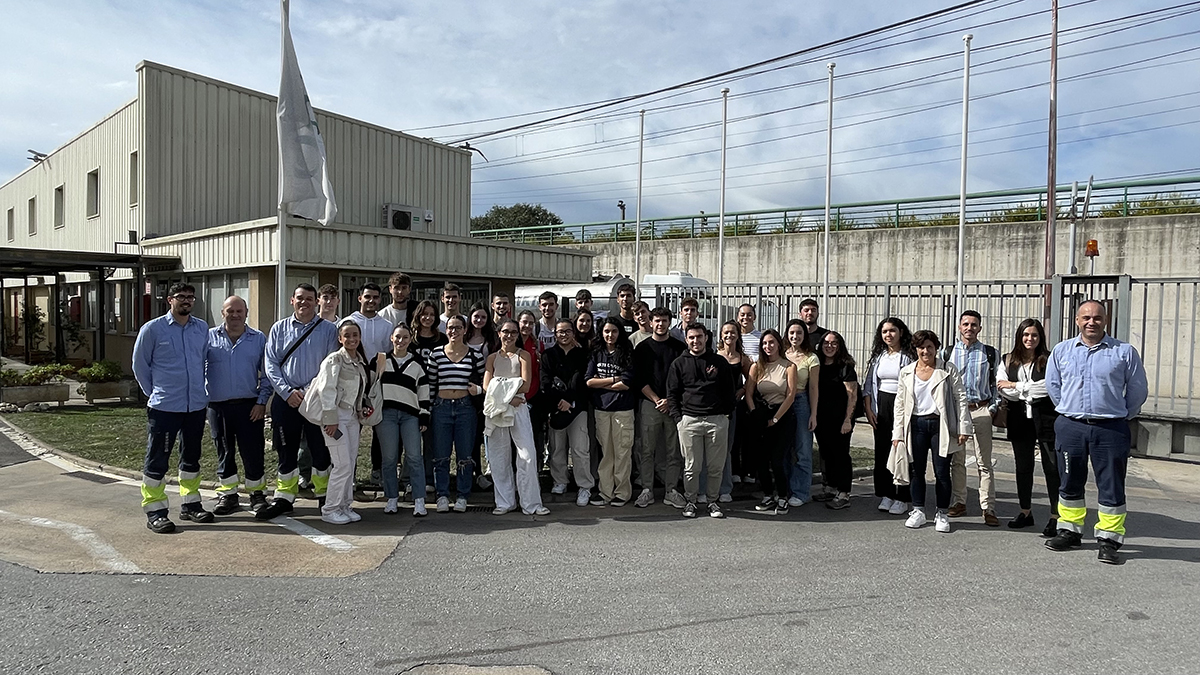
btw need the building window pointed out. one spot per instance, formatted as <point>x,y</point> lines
<point>32,216</point>
<point>12,225</point>
<point>60,218</point>
<point>133,178</point>
<point>93,193</point>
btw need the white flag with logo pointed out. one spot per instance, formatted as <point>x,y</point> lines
<point>304,188</point>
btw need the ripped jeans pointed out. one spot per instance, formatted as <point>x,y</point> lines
<point>453,423</point>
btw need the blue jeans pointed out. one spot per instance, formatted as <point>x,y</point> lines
<point>925,431</point>
<point>801,474</point>
<point>453,428</point>
<point>397,426</point>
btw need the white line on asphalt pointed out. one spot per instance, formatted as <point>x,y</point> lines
<point>22,441</point>
<point>99,550</point>
<point>314,535</point>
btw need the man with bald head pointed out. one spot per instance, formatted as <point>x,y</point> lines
<point>1097,384</point>
<point>237,402</point>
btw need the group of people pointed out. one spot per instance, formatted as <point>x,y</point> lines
<point>610,402</point>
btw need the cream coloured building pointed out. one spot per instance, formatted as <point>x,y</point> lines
<point>181,183</point>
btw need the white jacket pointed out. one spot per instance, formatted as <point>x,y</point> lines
<point>340,383</point>
<point>497,412</point>
<point>950,398</point>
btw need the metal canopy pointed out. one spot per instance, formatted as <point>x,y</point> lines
<point>31,262</point>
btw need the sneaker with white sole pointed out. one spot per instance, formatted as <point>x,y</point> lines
<point>559,489</point>
<point>645,499</point>
<point>735,478</point>
<point>795,501</point>
<point>460,505</point>
<point>689,510</point>
<point>598,500</point>
<point>583,497</point>
<point>352,515</point>
<point>335,518</point>
<point>941,521</point>
<point>715,511</point>
<point>392,505</point>
<point>886,504</point>
<point>419,508</point>
<point>443,505</point>
<point>725,498</point>
<point>767,504</point>
<point>899,508</point>
<point>539,511</point>
<point>916,518</point>
<point>499,511</point>
<point>675,499</point>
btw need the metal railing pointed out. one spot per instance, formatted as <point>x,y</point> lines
<point>1157,316</point>
<point>1157,196</point>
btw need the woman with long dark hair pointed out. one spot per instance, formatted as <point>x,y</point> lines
<point>481,337</point>
<point>770,390</point>
<point>891,352</point>
<point>808,372</point>
<point>838,387</point>
<point>506,380</point>
<point>455,374</point>
<point>729,345</point>
<point>585,329</point>
<point>610,381</point>
<point>426,336</point>
<point>1020,377</point>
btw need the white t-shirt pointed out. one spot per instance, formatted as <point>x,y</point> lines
<point>396,316</point>
<point>750,343</point>
<point>887,371</point>
<point>546,336</point>
<point>923,395</point>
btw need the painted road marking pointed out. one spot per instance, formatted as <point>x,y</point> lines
<point>103,553</point>
<point>314,535</point>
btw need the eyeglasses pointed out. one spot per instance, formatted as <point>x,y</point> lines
<point>454,328</point>
<point>180,296</point>
<point>508,331</point>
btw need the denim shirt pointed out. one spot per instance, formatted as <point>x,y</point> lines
<point>978,372</point>
<point>168,362</point>
<point>1106,381</point>
<point>234,370</point>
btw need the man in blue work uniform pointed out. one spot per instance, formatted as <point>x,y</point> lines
<point>295,348</point>
<point>1097,384</point>
<point>237,404</point>
<point>168,362</point>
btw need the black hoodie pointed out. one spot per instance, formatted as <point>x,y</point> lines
<point>699,386</point>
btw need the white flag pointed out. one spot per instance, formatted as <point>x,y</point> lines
<point>304,188</point>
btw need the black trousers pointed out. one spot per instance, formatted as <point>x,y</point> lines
<point>1028,435</point>
<point>885,484</point>
<point>837,467</point>
<point>233,432</point>
<point>775,450</point>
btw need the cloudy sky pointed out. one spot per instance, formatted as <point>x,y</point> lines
<point>1129,96</point>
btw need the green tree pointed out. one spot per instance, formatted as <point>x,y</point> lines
<point>508,218</point>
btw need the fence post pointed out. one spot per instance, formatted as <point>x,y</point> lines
<point>1039,217</point>
<point>897,215</point>
<point>735,225</point>
<point>839,219</point>
<point>1125,203</point>
<point>1124,311</point>
<point>693,228</point>
<point>1056,310</point>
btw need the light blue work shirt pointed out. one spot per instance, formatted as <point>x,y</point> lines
<point>1106,381</point>
<point>235,369</point>
<point>168,362</point>
<point>304,363</point>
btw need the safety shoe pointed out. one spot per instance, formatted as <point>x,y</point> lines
<point>916,518</point>
<point>957,510</point>
<point>767,504</point>
<point>227,504</point>
<point>419,507</point>
<point>674,499</point>
<point>941,521</point>
<point>258,501</point>
<point>1065,540</point>
<point>277,507</point>
<point>714,511</point>
<point>160,525</point>
<point>196,514</point>
<point>1108,553</point>
<point>460,505</point>
<point>689,510</point>
<point>443,505</point>
<point>645,499</point>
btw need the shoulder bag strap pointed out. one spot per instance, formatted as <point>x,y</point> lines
<point>296,345</point>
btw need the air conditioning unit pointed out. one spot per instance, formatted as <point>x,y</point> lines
<point>407,218</point>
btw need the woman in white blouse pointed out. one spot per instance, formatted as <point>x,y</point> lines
<point>891,352</point>
<point>932,418</point>
<point>1021,379</point>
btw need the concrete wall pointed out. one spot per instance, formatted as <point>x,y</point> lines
<point>1155,246</point>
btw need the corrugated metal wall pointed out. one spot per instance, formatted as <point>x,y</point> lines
<point>106,148</point>
<point>211,159</point>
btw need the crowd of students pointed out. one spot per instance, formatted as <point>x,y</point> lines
<point>613,404</point>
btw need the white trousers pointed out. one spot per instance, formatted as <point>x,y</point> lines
<point>499,445</point>
<point>343,457</point>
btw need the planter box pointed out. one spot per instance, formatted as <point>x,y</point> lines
<point>122,389</point>
<point>42,393</point>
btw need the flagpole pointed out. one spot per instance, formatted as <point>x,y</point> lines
<point>962,178</point>
<point>637,237</point>
<point>721,219</point>
<point>281,290</point>
<point>828,187</point>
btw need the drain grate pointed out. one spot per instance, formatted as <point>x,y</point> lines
<point>103,480</point>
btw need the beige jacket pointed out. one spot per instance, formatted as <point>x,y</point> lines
<point>949,397</point>
<point>340,383</point>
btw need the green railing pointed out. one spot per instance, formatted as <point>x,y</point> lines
<point>1158,196</point>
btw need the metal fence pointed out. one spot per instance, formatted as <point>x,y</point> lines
<point>1112,199</point>
<point>1157,316</point>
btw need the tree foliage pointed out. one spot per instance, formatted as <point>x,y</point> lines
<point>518,215</point>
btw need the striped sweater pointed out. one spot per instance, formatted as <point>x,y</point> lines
<point>449,375</point>
<point>406,386</point>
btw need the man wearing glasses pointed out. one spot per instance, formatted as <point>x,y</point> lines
<point>168,362</point>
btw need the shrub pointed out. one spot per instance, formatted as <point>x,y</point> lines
<point>37,375</point>
<point>101,371</point>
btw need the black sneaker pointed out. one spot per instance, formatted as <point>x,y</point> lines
<point>617,503</point>
<point>689,510</point>
<point>714,510</point>
<point>1108,552</point>
<point>1065,540</point>
<point>258,501</point>
<point>277,507</point>
<point>598,499</point>
<point>160,525</point>
<point>767,504</point>
<point>196,514</point>
<point>824,495</point>
<point>781,507</point>
<point>227,504</point>
<point>840,501</point>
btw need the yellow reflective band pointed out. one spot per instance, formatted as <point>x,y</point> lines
<point>288,486</point>
<point>1109,524</point>
<point>229,484</point>
<point>320,481</point>
<point>1071,517</point>
<point>154,497</point>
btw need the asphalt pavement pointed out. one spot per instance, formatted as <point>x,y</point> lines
<point>587,590</point>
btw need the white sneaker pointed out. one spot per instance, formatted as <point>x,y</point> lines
<point>645,499</point>
<point>460,505</point>
<point>886,504</point>
<point>419,508</point>
<point>392,505</point>
<point>352,515</point>
<point>675,499</point>
<point>795,501</point>
<point>559,489</point>
<point>941,521</point>
<point>335,518</point>
<point>899,508</point>
<point>584,496</point>
<point>736,478</point>
<point>539,511</point>
<point>443,505</point>
<point>702,499</point>
<point>500,511</point>
<point>725,498</point>
<point>915,519</point>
